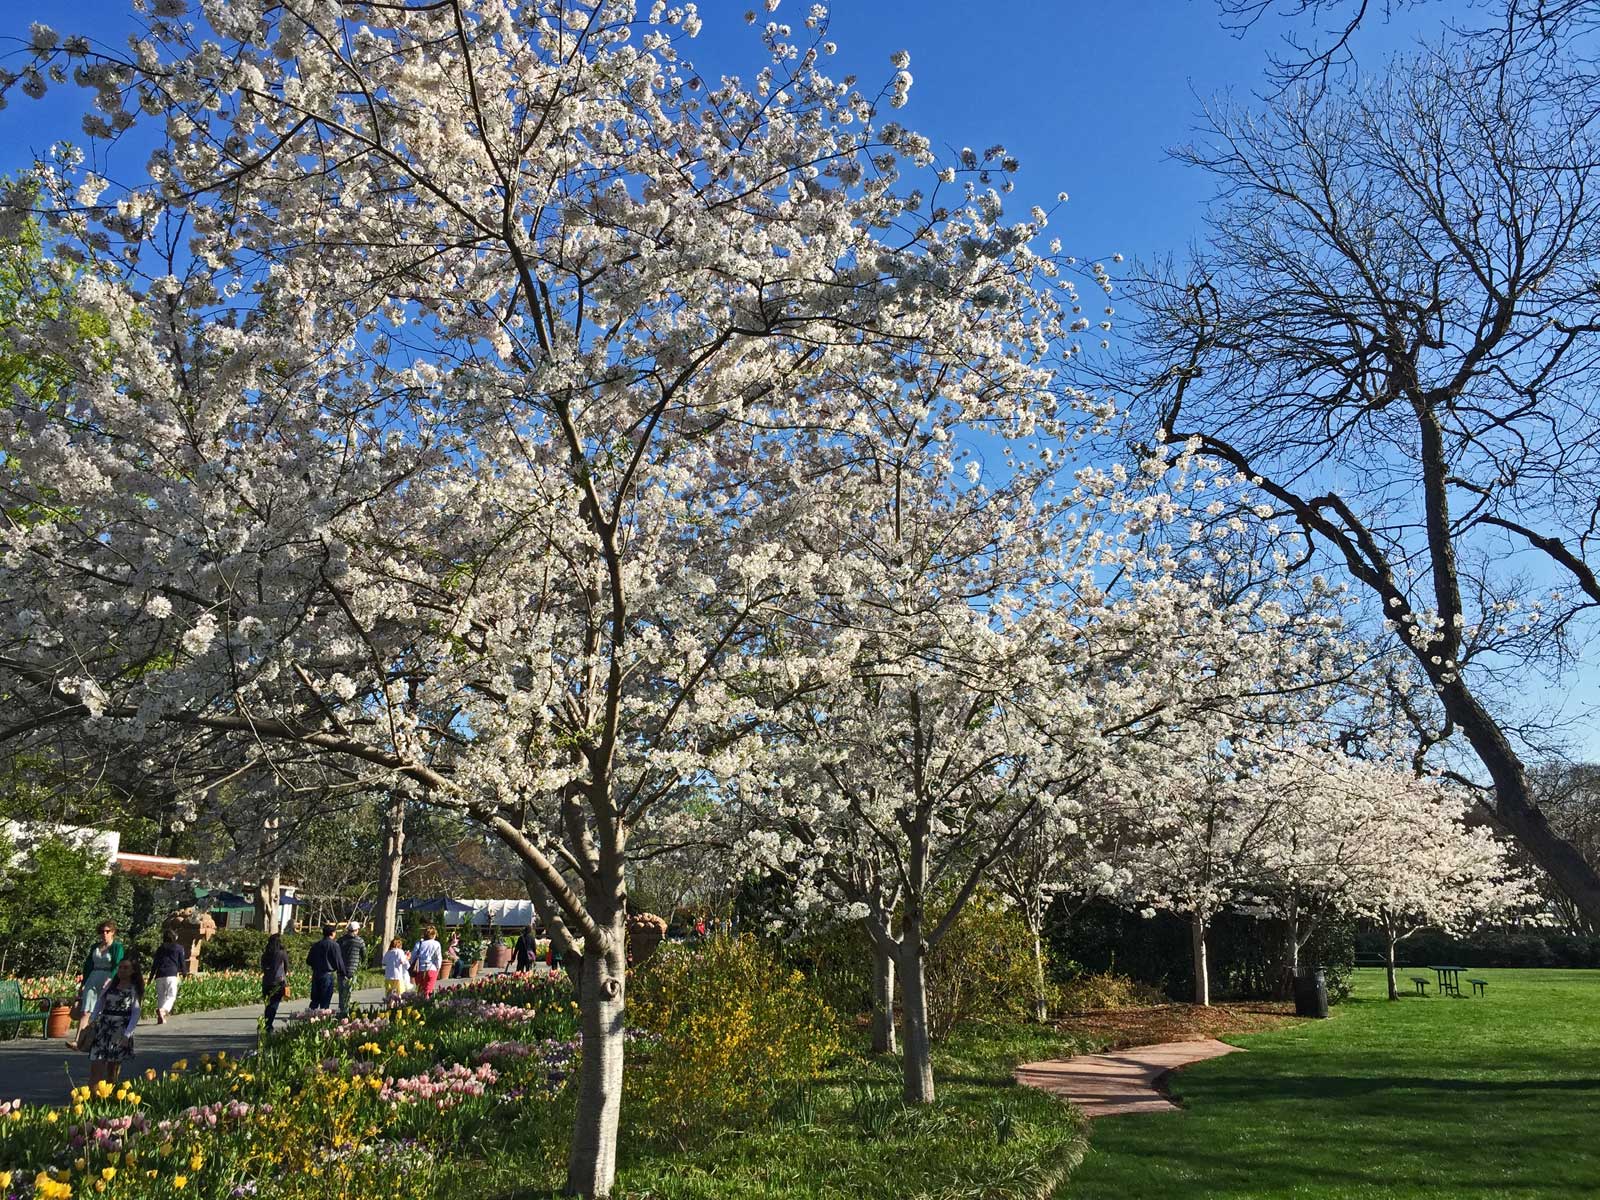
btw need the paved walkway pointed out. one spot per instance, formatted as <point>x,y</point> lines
<point>44,1070</point>
<point>1128,1081</point>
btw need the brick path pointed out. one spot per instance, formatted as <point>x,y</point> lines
<point>1126,1081</point>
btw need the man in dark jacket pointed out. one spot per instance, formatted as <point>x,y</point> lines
<point>169,964</point>
<point>525,950</point>
<point>326,961</point>
<point>353,950</point>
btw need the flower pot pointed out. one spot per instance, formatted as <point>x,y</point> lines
<point>472,970</point>
<point>59,1021</point>
<point>498,956</point>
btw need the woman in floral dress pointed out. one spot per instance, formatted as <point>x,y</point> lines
<point>115,1019</point>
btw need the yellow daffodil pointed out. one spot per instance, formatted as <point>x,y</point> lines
<point>180,1182</point>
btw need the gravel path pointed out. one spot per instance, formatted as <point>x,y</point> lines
<point>1127,1081</point>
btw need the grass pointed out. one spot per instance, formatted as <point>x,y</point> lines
<point>1494,1096</point>
<point>852,1139</point>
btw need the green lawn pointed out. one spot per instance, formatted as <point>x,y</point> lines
<point>1483,1097</point>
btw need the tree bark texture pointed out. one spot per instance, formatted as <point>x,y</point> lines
<point>394,844</point>
<point>916,1056</point>
<point>1202,969</point>
<point>1041,1000</point>
<point>592,1160</point>
<point>883,992</point>
<point>1394,992</point>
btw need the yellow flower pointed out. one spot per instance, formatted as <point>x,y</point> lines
<point>99,1185</point>
<point>5,1179</point>
<point>222,1056</point>
<point>130,1158</point>
<point>103,1089</point>
<point>108,1173</point>
<point>150,1074</point>
<point>180,1182</point>
<point>77,1110</point>
<point>122,1094</point>
<point>52,1117</point>
<point>181,1065</point>
<point>134,1097</point>
<point>80,1164</point>
<point>196,1161</point>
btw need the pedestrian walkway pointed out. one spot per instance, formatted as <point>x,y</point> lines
<point>1128,1081</point>
<point>45,1070</point>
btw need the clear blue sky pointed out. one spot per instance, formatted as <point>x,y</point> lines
<point>1089,94</point>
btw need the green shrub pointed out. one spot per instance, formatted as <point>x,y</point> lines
<point>241,949</point>
<point>736,1029</point>
<point>1106,989</point>
<point>982,968</point>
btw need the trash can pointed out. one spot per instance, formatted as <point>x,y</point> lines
<point>1311,994</point>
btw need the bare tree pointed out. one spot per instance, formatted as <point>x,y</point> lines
<point>1392,326</point>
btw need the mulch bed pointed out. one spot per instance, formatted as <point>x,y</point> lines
<point>1116,1028</point>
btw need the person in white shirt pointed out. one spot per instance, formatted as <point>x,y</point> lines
<point>426,959</point>
<point>396,971</point>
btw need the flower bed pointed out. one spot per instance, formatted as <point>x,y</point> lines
<point>325,1108</point>
<point>197,993</point>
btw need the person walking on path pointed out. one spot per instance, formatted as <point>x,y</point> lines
<point>525,951</point>
<point>116,1016</point>
<point>99,966</point>
<point>353,950</point>
<point>396,972</point>
<point>274,977</point>
<point>166,968</point>
<point>426,959</point>
<point>326,961</point>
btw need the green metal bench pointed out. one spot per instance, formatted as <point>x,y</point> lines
<point>1422,984</point>
<point>13,1009</point>
<point>1480,987</point>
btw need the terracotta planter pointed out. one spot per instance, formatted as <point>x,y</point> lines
<point>472,970</point>
<point>498,956</point>
<point>59,1021</point>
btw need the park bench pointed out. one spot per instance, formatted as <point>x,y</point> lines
<point>13,1009</point>
<point>1480,987</point>
<point>1422,984</point>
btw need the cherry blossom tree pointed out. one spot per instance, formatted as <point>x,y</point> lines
<point>475,384</point>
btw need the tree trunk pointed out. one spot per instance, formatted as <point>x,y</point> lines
<point>1041,1001</point>
<point>1394,992</point>
<point>592,1161</point>
<point>269,903</point>
<point>385,914</point>
<point>883,1040</point>
<point>916,1056</point>
<point>1202,970</point>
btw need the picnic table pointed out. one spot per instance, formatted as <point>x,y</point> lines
<point>1449,979</point>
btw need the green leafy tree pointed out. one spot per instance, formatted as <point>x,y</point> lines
<point>52,894</point>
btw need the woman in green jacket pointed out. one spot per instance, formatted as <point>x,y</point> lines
<point>99,968</point>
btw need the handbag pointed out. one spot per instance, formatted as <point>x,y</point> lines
<point>288,991</point>
<point>84,1040</point>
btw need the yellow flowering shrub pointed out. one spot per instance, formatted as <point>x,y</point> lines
<point>736,1027</point>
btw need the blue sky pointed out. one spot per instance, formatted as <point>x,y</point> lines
<point>1088,94</point>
